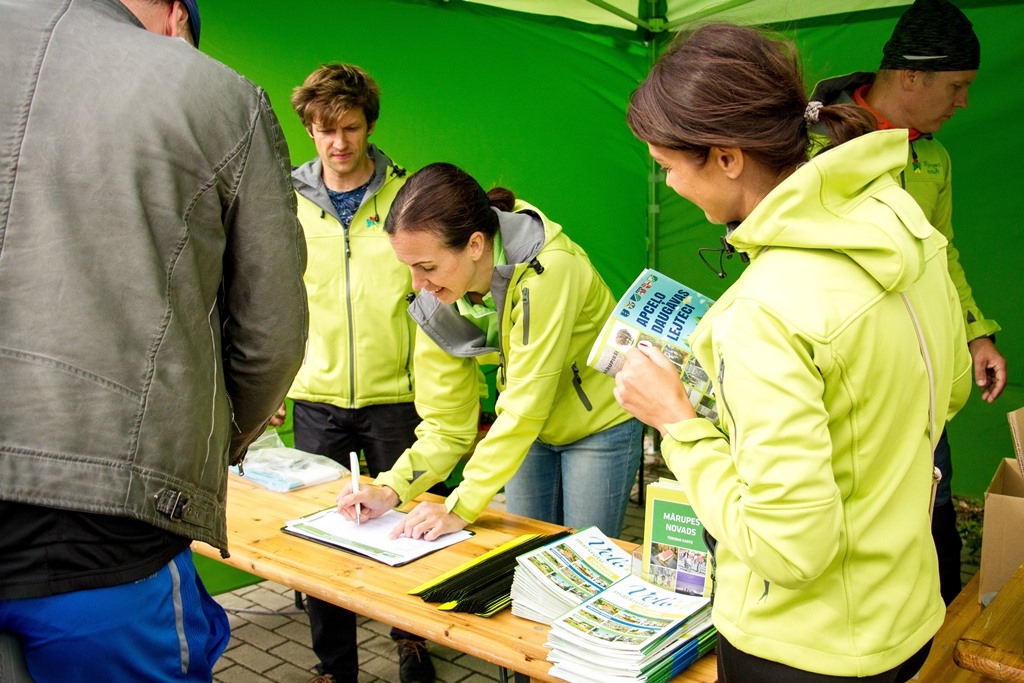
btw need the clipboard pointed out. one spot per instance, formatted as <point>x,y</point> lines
<point>369,539</point>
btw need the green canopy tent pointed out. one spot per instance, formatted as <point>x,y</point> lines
<point>532,95</point>
<point>660,16</point>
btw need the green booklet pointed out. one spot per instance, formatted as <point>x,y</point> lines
<point>675,555</point>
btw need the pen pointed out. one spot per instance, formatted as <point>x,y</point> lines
<point>353,466</point>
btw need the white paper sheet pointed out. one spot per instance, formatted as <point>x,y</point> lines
<point>370,538</point>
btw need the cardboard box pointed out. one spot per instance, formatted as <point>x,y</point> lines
<point>1002,550</point>
<point>1016,419</point>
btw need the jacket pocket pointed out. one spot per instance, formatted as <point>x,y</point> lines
<point>725,403</point>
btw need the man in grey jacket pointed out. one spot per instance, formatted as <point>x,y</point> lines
<point>152,317</point>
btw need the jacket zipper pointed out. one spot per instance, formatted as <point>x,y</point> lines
<point>577,383</point>
<point>526,316</point>
<point>721,388</point>
<point>348,309</point>
<point>408,346</point>
<point>710,541</point>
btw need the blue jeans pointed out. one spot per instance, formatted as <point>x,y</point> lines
<point>165,627</point>
<point>581,484</point>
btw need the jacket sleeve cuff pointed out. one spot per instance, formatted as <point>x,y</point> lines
<point>691,430</point>
<point>454,504</point>
<point>395,483</point>
<point>982,328</point>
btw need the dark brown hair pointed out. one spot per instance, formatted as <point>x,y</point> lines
<point>445,200</point>
<point>334,89</point>
<point>722,85</point>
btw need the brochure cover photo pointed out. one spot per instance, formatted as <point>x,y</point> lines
<point>664,312</point>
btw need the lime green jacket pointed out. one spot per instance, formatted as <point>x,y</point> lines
<point>928,177</point>
<point>817,483</point>
<point>360,348</point>
<point>552,304</point>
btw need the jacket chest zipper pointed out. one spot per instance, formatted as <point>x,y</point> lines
<point>348,311</point>
<point>408,336</point>
<point>526,316</point>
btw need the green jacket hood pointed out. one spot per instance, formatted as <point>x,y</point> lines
<point>892,253</point>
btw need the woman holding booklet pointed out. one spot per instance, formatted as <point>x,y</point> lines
<point>838,355</point>
<point>501,283</point>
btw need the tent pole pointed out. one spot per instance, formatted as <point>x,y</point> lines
<point>654,176</point>
<point>622,14</point>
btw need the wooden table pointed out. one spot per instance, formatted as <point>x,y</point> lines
<point>258,546</point>
<point>939,667</point>
<point>993,643</point>
<point>976,645</point>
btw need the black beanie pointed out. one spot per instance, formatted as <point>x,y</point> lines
<point>932,35</point>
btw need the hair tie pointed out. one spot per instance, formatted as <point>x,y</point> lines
<point>811,113</point>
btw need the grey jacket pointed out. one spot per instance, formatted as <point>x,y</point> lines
<point>152,311</point>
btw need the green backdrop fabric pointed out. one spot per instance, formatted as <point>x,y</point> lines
<point>533,106</point>
<point>537,104</point>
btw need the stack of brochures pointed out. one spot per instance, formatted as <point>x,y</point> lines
<point>553,579</point>
<point>630,631</point>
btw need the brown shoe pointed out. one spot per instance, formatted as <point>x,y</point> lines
<point>414,665</point>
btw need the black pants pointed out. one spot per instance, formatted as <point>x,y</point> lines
<point>947,539</point>
<point>382,433</point>
<point>735,666</point>
<point>948,546</point>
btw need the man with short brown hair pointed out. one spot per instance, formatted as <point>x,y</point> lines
<point>354,392</point>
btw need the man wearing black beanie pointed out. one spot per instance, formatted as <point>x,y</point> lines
<point>927,66</point>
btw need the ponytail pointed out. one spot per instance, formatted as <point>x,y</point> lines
<point>839,122</point>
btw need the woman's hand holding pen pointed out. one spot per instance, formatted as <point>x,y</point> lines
<point>374,501</point>
<point>428,521</point>
<point>649,387</point>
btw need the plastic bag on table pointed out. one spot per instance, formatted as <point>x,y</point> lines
<point>277,467</point>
